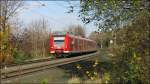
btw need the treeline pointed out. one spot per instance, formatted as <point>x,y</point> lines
<point>33,41</point>
<point>19,44</point>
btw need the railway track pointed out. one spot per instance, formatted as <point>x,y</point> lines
<point>22,70</point>
<point>29,62</point>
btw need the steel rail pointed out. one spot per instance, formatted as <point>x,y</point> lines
<point>17,71</point>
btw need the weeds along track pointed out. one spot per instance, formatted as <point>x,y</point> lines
<point>28,62</point>
<point>22,70</point>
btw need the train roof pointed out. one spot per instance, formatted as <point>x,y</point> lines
<point>79,37</point>
<point>61,33</point>
<point>70,34</point>
<point>58,34</point>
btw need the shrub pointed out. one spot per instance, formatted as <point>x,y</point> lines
<point>20,56</point>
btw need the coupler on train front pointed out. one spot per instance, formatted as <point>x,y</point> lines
<point>60,54</point>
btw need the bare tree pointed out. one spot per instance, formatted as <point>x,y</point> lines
<point>97,37</point>
<point>38,36</point>
<point>77,30</point>
<point>102,38</point>
<point>8,9</point>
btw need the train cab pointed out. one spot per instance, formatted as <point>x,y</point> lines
<point>59,44</point>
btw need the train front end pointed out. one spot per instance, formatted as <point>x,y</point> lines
<point>59,45</point>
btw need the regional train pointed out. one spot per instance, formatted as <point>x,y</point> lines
<point>66,45</point>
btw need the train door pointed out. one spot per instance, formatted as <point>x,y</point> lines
<point>71,44</point>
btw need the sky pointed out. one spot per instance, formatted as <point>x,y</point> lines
<point>56,14</point>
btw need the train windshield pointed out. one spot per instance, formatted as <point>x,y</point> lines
<point>59,41</point>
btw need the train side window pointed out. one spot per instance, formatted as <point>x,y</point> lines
<point>79,44</point>
<point>76,43</point>
<point>73,41</point>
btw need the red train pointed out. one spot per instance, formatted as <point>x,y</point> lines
<point>66,44</point>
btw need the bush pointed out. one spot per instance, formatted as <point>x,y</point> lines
<point>20,56</point>
<point>132,50</point>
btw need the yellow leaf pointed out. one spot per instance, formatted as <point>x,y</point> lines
<point>134,55</point>
<point>106,76</point>
<point>87,72</point>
